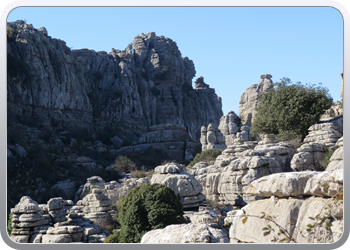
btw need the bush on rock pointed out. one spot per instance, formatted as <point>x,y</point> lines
<point>288,110</point>
<point>144,208</point>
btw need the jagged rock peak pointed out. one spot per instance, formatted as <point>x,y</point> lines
<point>249,99</point>
<point>199,83</point>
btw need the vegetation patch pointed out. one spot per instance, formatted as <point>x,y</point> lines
<point>207,156</point>
<point>288,110</point>
<point>144,208</point>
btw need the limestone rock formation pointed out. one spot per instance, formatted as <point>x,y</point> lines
<point>114,190</point>
<point>227,181</point>
<point>293,201</point>
<point>291,214</point>
<point>83,89</point>
<point>229,126</point>
<point>326,133</point>
<point>212,138</point>
<point>282,151</point>
<point>321,138</point>
<point>334,111</point>
<point>336,160</point>
<point>186,233</point>
<point>249,99</point>
<point>60,221</point>
<point>182,183</point>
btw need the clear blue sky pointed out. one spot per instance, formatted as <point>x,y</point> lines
<point>230,46</point>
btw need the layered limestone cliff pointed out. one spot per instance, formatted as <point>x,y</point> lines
<point>125,92</point>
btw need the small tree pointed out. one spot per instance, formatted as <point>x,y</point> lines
<point>288,110</point>
<point>124,164</point>
<point>144,208</point>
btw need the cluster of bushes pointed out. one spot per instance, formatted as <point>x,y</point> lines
<point>144,208</point>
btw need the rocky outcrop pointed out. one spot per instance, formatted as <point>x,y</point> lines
<point>334,111</point>
<point>321,139</point>
<point>249,99</point>
<point>336,160</point>
<point>114,190</point>
<point>182,183</point>
<point>295,201</point>
<point>281,151</point>
<point>186,233</point>
<point>125,92</point>
<point>212,138</point>
<point>56,222</point>
<point>229,126</point>
<point>326,133</point>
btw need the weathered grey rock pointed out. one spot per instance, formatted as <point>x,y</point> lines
<point>325,184</point>
<point>186,233</point>
<point>281,184</point>
<point>57,238</point>
<point>182,183</point>
<point>334,111</point>
<point>325,133</point>
<point>117,141</point>
<point>336,160</point>
<point>283,211</point>
<point>20,238</point>
<point>136,89</point>
<point>249,99</point>
<point>229,126</point>
<point>311,208</point>
<point>310,157</point>
<point>212,138</point>
<point>26,205</point>
<point>55,203</point>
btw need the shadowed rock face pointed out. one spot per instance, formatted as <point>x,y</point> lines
<point>129,91</point>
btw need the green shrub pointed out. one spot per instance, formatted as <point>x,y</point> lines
<point>144,208</point>
<point>290,109</point>
<point>9,225</point>
<point>207,155</point>
<point>113,238</point>
<point>124,164</point>
<point>327,158</point>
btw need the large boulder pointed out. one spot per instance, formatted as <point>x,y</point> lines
<point>186,233</point>
<point>181,182</point>
<point>310,156</point>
